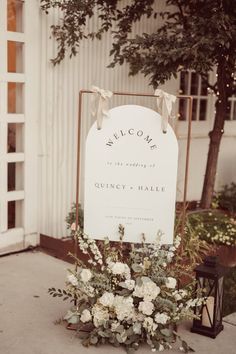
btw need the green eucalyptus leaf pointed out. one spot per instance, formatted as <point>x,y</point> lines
<point>73,319</point>
<point>93,340</point>
<point>121,338</point>
<point>139,281</point>
<point>137,268</point>
<point>166,332</point>
<point>120,329</point>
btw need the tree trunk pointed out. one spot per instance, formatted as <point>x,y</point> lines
<point>215,138</point>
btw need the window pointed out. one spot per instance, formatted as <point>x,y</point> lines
<point>19,30</point>
<point>192,84</point>
<point>231,109</point>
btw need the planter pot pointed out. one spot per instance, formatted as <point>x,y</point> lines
<point>227,255</point>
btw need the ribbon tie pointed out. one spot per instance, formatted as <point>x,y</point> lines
<point>165,107</point>
<point>100,105</point>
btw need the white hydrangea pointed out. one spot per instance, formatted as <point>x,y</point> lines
<point>146,307</point>
<point>100,315</point>
<point>148,290</point>
<point>161,318</point>
<point>85,275</point>
<point>85,316</point>
<point>71,278</point>
<point>107,299</point>
<point>170,282</point>
<point>119,268</point>
<point>124,307</point>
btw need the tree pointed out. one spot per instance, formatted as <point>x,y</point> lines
<point>194,35</point>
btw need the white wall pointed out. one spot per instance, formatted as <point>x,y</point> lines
<point>58,124</point>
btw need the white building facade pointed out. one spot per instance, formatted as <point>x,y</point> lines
<point>38,123</point>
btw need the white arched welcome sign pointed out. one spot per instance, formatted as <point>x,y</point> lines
<point>130,176</point>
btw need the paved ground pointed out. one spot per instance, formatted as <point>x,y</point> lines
<point>28,313</point>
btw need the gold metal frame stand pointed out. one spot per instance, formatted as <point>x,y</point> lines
<point>188,98</point>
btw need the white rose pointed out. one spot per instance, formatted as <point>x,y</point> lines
<point>85,275</point>
<point>72,279</point>
<point>128,284</point>
<point>107,299</point>
<point>170,283</point>
<point>148,290</point>
<point>177,297</point>
<point>85,316</point>
<point>146,307</point>
<point>100,315</point>
<point>137,328</point>
<point>118,268</point>
<point>161,318</point>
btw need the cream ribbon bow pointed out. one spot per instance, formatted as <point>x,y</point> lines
<point>99,108</point>
<point>165,106</point>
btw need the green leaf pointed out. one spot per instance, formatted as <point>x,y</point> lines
<point>93,340</point>
<point>166,332</point>
<point>137,268</point>
<point>73,319</point>
<point>120,329</point>
<point>186,348</point>
<point>104,334</point>
<point>121,338</point>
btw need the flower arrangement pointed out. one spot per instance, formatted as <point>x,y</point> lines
<point>128,294</point>
<point>214,227</point>
<point>226,198</point>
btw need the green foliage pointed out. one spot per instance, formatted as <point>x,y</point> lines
<point>227,198</point>
<point>59,293</point>
<point>193,35</point>
<point>129,294</point>
<point>73,26</point>
<point>70,219</point>
<point>229,305</point>
<point>189,34</point>
<point>213,226</point>
<point>194,248</point>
